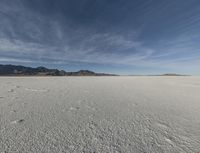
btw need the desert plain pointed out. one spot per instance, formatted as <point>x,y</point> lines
<point>117,114</point>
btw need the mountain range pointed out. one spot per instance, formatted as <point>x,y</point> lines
<point>18,70</point>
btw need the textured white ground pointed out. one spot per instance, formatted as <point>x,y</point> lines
<point>100,114</point>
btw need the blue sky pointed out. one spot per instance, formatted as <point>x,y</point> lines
<point>115,36</point>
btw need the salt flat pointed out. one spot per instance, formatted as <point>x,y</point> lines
<point>100,114</point>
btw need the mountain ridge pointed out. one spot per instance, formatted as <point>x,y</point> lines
<point>19,70</point>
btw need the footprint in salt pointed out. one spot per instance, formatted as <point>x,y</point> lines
<point>74,108</point>
<point>13,111</point>
<point>135,104</point>
<point>17,86</point>
<point>11,90</point>
<point>17,121</point>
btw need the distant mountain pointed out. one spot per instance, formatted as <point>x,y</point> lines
<point>13,70</point>
<point>173,74</point>
<point>22,70</point>
<point>87,73</point>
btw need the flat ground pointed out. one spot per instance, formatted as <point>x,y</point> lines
<point>100,114</point>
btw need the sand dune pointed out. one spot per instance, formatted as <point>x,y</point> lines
<point>100,114</point>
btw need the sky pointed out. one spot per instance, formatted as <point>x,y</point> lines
<point>113,36</point>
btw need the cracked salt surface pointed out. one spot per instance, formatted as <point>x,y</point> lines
<point>100,114</point>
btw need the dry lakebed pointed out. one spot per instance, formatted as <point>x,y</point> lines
<point>135,114</point>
